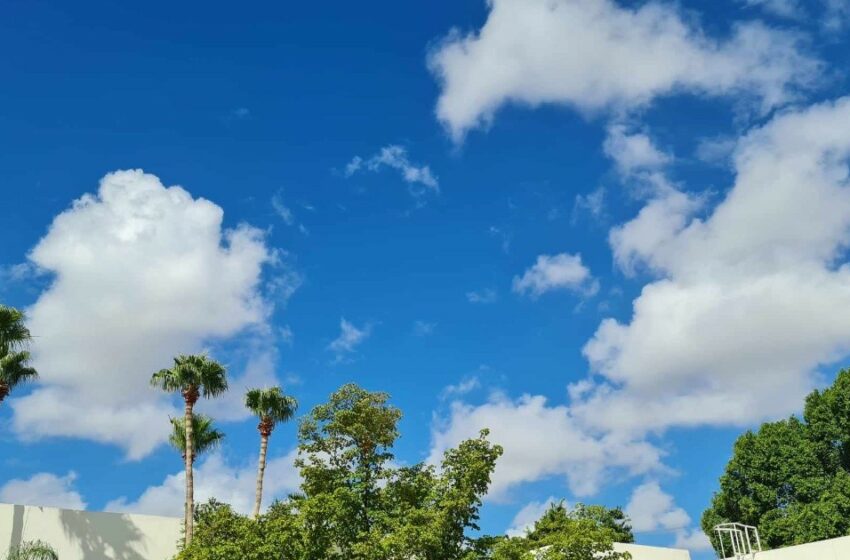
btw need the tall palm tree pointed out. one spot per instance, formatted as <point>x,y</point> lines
<point>193,376</point>
<point>205,436</point>
<point>14,359</point>
<point>271,406</point>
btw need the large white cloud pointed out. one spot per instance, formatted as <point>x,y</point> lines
<point>216,478</point>
<point>142,272</point>
<point>43,489</point>
<point>747,302</point>
<point>597,54</point>
<point>541,441</point>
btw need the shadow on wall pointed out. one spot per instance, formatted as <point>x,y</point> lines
<point>17,527</point>
<point>103,536</point>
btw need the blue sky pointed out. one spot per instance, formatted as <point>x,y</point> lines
<point>614,232</point>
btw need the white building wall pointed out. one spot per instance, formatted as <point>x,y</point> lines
<point>832,549</point>
<point>640,552</point>
<point>81,535</point>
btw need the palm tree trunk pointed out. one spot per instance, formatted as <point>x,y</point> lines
<point>190,479</point>
<point>261,470</point>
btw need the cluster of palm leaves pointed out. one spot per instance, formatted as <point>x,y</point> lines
<point>14,354</point>
<point>197,376</point>
<point>193,376</point>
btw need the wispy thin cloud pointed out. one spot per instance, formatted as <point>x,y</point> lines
<point>419,178</point>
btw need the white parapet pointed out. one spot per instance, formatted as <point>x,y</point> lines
<point>641,552</point>
<point>832,549</point>
<point>82,535</point>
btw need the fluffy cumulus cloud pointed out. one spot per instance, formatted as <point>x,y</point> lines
<point>419,178</point>
<point>142,272</point>
<point>599,54</point>
<point>541,441</point>
<point>215,478</point>
<point>43,489</point>
<point>748,300</point>
<point>556,272</point>
<point>652,509</point>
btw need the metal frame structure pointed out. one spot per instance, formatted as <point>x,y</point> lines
<point>743,538</point>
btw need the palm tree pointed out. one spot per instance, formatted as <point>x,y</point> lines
<point>204,435</point>
<point>271,406</point>
<point>14,359</point>
<point>193,376</point>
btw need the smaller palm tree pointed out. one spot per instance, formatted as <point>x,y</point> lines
<point>271,406</point>
<point>14,359</point>
<point>192,376</point>
<point>205,436</point>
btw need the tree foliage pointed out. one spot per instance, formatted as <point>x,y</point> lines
<point>582,533</point>
<point>14,358</point>
<point>355,503</point>
<point>32,550</point>
<point>791,478</point>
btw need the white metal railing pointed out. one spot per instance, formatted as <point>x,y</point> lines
<point>743,540</point>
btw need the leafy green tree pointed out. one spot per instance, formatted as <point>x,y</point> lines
<point>582,533</point>
<point>791,478</point>
<point>14,357</point>
<point>205,436</point>
<point>354,502</point>
<point>271,406</point>
<point>193,376</point>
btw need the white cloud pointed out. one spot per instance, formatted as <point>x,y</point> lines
<point>592,202</point>
<point>541,441</point>
<point>466,385</point>
<point>142,273</point>
<point>423,328</point>
<point>692,539</point>
<point>596,54</point>
<point>527,516</point>
<point>43,489</point>
<point>350,337</point>
<point>419,177</point>
<point>215,478</point>
<point>748,301</point>
<point>282,210</point>
<point>556,272</point>
<point>782,8</point>
<point>487,295</point>
<point>652,509</point>
<point>633,151</point>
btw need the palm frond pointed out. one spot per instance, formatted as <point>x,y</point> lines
<point>205,436</point>
<point>195,370</point>
<point>13,332</point>
<point>15,369</point>
<point>271,405</point>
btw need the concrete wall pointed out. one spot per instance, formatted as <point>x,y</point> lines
<point>80,535</point>
<point>832,549</point>
<point>640,552</point>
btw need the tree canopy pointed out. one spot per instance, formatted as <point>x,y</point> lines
<point>791,478</point>
<point>582,533</point>
<point>357,503</point>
